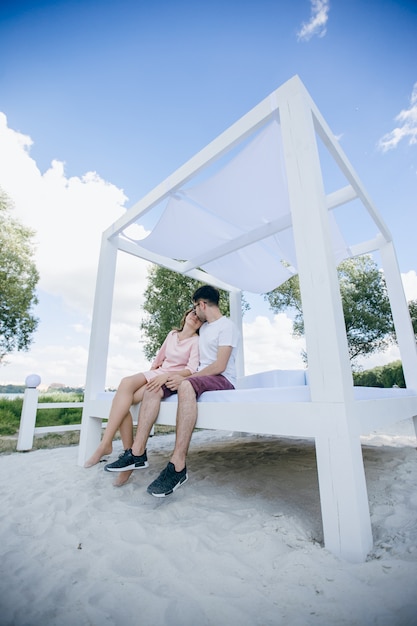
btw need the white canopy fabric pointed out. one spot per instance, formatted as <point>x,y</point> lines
<point>214,224</point>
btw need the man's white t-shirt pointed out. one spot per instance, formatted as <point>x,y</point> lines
<point>222,332</point>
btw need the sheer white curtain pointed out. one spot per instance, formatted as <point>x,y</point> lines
<point>247,199</point>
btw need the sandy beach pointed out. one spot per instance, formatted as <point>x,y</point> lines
<point>239,545</point>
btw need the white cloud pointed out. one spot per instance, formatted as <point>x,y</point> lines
<point>410,285</point>
<point>407,128</point>
<point>318,20</point>
<point>378,359</point>
<point>269,344</point>
<point>55,363</point>
<point>69,216</point>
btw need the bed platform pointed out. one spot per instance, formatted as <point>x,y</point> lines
<point>279,403</point>
<point>283,407</point>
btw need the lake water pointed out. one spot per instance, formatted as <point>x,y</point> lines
<point>11,396</point>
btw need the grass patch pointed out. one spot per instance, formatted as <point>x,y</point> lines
<point>10,411</point>
<point>51,440</point>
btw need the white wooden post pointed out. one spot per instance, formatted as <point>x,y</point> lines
<point>99,345</point>
<point>235,299</point>
<point>28,416</point>
<point>401,316</point>
<point>344,502</point>
<point>343,494</point>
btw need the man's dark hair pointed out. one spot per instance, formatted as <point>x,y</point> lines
<point>208,293</point>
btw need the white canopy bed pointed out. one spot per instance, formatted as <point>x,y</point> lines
<point>245,214</point>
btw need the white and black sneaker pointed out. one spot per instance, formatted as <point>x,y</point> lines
<point>168,481</point>
<point>127,461</point>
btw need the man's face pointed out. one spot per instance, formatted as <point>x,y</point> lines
<point>199,308</point>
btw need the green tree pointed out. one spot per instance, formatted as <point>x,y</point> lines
<point>167,296</point>
<point>381,376</point>
<point>366,307</point>
<point>412,306</point>
<point>18,280</point>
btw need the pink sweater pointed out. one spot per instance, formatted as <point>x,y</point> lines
<point>175,355</point>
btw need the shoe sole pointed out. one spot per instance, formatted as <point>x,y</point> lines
<point>127,468</point>
<point>168,493</point>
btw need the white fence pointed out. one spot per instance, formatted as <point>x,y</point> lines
<point>27,429</point>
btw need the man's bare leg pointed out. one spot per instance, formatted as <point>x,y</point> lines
<point>186,420</point>
<point>119,416</point>
<point>174,474</point>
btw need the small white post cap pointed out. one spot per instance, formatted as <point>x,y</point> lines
<point>32,381</point>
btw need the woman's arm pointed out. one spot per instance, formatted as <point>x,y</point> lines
<point>161,354</point>
<point>194,357</point>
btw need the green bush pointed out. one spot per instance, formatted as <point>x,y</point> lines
<point>10,411</point>
<point>55,417</point>
<point>9,424</point>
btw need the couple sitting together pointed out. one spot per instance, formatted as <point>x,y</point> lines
<point>198,357</point>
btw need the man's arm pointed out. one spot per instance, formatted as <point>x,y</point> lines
<point>217,367</point>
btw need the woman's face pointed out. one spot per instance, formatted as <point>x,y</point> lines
<point>193,321</point>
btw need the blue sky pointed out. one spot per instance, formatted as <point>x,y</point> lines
<point>102,100</point>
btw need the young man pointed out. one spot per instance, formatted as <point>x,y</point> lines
<point>219,339</point>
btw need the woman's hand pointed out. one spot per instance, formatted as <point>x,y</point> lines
<point>156,383</point>
<point>174,381</point>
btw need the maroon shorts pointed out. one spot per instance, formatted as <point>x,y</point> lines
<point>167,392</point>
<point>200,384</point>
<point>218,382</point>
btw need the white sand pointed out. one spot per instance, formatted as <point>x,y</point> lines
<point>238,545</point>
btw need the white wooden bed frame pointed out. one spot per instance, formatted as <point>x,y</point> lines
<point>282,396</point>
<point>329,408</point>
<point>279,403</point>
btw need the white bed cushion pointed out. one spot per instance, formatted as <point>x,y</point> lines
<point>273,378</point>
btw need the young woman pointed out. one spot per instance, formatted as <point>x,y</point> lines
<point>179,353</point>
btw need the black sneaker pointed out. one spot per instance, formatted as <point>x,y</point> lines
<point>168,481</point>
<point>127,461</point>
